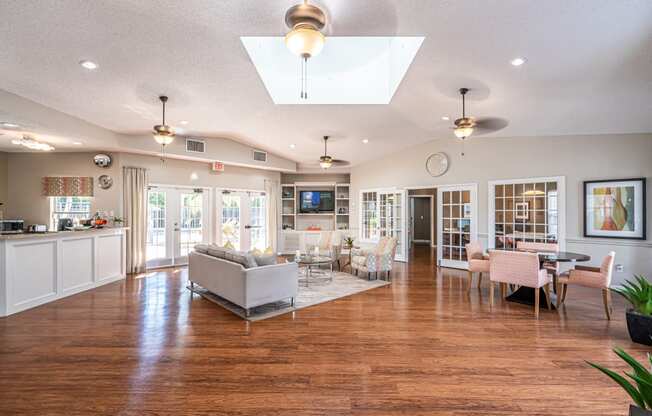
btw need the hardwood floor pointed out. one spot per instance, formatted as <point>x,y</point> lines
<point>417,347</point>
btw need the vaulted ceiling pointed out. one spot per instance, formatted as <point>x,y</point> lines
<point>588,70</point>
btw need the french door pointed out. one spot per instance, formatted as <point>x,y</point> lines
<point>383,214</point>
<point>242,219</point>
<point>177,219</point>
<point>457,213</point>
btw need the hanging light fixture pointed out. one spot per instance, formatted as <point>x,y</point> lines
<point>305,38</point>
<point>325,161</point>
<point>464,126</point>
<point>163,134</point>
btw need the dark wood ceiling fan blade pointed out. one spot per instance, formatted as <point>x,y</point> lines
<point>340,162</point>
<point>489,125</point>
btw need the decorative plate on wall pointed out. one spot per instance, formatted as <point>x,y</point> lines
<point>437,164</point>
<point>105,181</point>
<point>102,160</point>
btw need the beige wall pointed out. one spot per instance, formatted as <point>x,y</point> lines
<point>4,183</point>
<point>315,177</point>
<point>578,158</point>
<point>25,171</point>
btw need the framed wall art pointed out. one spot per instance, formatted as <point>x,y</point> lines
<point>615,208</point>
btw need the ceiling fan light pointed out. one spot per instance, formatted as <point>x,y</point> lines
<point>325,162</point>
<point>163,139</point>
<point>305,41</point>
<point>463,132</point>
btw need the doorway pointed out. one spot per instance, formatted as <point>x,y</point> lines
<point>422,217</point>
<point>177,220</point>
<point>242,219</point>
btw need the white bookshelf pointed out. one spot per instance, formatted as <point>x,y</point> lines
<point>288,206</point>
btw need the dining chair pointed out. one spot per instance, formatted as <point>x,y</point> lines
<point>478,262</point>
<point>595,277</point>
<point>551,266</point>
<point>518,268</point>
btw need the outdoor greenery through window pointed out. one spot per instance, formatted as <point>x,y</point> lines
<point>73,207</point>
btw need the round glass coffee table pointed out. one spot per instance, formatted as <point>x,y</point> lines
<point>311,271</point>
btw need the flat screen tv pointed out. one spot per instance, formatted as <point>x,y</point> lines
<point>316,201</point>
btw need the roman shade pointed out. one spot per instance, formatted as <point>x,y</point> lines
<point>67,186</point>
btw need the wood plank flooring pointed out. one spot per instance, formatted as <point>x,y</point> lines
<point>418,347</point>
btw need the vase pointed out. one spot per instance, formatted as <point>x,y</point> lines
<point>639,327</point>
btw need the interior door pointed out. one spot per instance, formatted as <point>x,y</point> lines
<point>422,228</point>
<point>392,212</point>
<point>243,219</point>
<point>457,217</point>
<point>177,221</point>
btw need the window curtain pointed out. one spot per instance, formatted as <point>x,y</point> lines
<point>135,181</point>
<point>272,191</point>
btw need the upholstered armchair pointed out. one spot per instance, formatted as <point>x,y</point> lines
<point>330,243</point>
<point>519,268</point>
<point>595,277</point>
<point>478,262</point>
<point>378,259</point>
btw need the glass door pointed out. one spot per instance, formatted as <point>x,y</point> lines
<point>457,223</point>
<point>176,222</point>
<point>242,219</point>
<point>390,218</point>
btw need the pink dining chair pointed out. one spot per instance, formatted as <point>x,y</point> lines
<point>551,266</point>
<point>478,262</point>
<point>595,277</point>
<point>518,268</point>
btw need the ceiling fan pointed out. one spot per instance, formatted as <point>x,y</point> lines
<point>466,126</point>
<point>327,161</point>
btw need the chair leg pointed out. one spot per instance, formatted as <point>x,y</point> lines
<point>558,291</point>
<point>491,293</point>
<point>468,288</point>
<point>563,295</point>
<point>536,303</point>
<point>503,290</point>
<point>606,298</point>
<point>546,289</point>
<point>479,279</point>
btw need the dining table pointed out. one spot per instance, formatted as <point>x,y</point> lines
<point>525,295</point>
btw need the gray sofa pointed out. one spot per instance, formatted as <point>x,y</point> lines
<point>247,287</point>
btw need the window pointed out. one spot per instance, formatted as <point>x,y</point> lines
<point>369,215</point>
<point>525,211</point>
<point>73,207</point>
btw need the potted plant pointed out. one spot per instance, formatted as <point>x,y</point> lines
<point>641,393</point>
<point>348,242</point>
<point>639,317</point>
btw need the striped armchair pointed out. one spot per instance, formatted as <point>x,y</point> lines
<point>378,259</point>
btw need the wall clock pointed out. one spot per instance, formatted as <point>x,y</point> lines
<point>105,181</point>
<point>437,164</point>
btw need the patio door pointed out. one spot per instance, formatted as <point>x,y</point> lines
<point>457,213</point>
<point>177,220</point>
<point>391,219</point>
<point>242,219</point>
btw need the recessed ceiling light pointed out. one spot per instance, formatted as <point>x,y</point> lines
<point>292,146</point>
<point>77,143</point>
<point>9,125</point>
<point>184,122</point>
<point>445,118</point>
<point>517,61</point>
<point>194,176</point>
<point>365,141</point>
<point>88,65</point>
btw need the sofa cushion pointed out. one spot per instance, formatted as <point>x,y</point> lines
<point>265,259</point>
<point>201,248</point>
<point>215,251</point>
<point>245,259</point>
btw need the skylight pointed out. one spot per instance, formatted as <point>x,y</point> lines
<point>350,70</point>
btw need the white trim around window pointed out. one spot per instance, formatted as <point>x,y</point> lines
<point>561,206</point>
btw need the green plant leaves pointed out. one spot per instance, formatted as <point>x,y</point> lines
<point>622,381</point>
<point>638,293</point>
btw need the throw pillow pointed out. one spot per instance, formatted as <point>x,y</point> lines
<point>229,246</point>
<point>265,259</point>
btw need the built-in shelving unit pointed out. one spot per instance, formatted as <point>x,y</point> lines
<point>300,229</point>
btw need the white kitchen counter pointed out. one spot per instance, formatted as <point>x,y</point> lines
<point>39,268</point>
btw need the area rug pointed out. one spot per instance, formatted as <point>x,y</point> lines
<point>343,284</point>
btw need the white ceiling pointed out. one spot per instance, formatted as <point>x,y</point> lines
<point>589,68</point>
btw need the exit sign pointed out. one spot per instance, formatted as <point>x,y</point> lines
<point>217,167</point>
